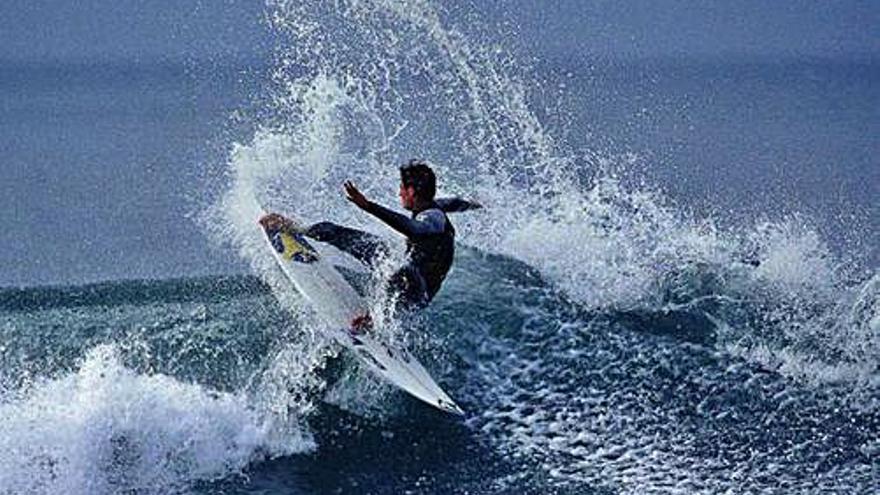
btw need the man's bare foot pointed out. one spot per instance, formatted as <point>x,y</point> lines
<point>275,221</point>
<point>361,324</point>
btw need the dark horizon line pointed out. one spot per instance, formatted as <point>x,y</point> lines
<point>267,60</point>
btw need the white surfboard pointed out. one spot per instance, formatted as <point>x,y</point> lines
<point>339,305</point>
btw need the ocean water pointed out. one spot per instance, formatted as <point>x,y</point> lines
<point>672,288</point>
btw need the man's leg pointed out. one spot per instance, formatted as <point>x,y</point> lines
<point>410,289</point>
<point>364,246</point>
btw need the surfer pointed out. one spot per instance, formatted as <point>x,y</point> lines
<point>430,236</point>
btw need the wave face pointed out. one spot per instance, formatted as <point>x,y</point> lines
<point>602,338</point>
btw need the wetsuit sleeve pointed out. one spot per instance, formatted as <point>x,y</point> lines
<point>454,205</point>
<point>425,223</point>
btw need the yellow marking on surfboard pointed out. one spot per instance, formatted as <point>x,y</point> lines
<point>292,247</point>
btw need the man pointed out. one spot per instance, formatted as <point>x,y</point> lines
<point>429,234</point>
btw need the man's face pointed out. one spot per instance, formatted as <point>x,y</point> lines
<point>407,196</point>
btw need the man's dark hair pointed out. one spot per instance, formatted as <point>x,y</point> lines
<point>419,175</point>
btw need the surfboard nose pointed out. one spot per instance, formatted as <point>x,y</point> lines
<point>450,407</point>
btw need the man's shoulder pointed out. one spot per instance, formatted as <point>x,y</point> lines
<point>434,218</point>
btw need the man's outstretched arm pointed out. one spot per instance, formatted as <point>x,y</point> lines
<point>425,223</point>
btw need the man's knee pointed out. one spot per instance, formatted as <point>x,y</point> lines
<point>362,245</point>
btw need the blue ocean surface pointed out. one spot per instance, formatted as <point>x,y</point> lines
<point>672,287</point>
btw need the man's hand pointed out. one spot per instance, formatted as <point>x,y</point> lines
<point>355,196</point>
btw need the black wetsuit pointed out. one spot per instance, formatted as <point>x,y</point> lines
<point>430,240</point>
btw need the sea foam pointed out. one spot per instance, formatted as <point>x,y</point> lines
<point>104,428</point>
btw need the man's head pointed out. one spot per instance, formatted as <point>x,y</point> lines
<point>418,184</point>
